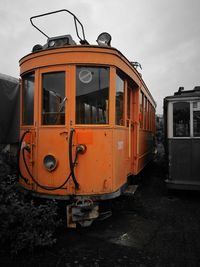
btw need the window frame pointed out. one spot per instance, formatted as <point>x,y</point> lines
<point>57,113</point>
<point>121,75</point>
<point>128,99</point>
<point>46,70</point>
<point>107,102</point>
<point>141,109</point>
<point>22,97</point>
<point>170,133</point>
<point>181,127</point>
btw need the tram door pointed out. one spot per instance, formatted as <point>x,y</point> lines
<point>131,118</point>
<point>53,129</point>
<point>184,143</point>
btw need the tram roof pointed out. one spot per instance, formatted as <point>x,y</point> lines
<point>89,48</point>
<point>181,93</point>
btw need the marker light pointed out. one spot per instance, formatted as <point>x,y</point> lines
<point>50,162</point>
<point>104,39</point>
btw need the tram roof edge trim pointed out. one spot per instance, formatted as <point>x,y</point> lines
<point>90,49</point>
<point>185,94</point>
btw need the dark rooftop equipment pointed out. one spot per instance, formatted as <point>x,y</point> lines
<point>182,138</point>
<point>60,41</point>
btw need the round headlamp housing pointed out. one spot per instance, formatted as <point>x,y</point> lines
<point>51,43</point>
<point>50,162</point>
<point>104,39</point>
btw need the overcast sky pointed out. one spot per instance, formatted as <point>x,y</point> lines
<point>163,35</point>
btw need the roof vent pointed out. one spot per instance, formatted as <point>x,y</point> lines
<point>180,90</point>
<point>136,64</point>
<point>37,47</point>
<point>60,41</point>
<point>197,88</point>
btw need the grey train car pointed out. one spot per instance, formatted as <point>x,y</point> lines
<point>182,139</point>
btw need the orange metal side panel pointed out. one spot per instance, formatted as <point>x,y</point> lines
<point>94,168</point>
<point>145,148</point>
<point>30,157</point>
<point>121,160</point>
<point>53,143</point>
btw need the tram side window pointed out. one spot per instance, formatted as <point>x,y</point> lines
<point>141,109</point>
<point>151,115</point>
<point>28,99</point>
<point>119,100</point>
<point>53,98</point>
<point>128,105</point>
<point>145,113</point>
<point>181,119</point>
<point>196,123</point>
<point>92,95</point>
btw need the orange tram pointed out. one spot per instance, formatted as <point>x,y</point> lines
<point>87,122</point>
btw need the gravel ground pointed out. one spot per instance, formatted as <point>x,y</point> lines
<point>153,228</point>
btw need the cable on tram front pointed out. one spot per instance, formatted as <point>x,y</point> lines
<point>72,165</point>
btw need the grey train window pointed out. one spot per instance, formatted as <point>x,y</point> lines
<point>92,94</point>
<point>28,99</point>
<point>181,119</point>
<point>196,119</point>
<point>53,98</point>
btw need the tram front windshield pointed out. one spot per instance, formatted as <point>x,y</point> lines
<point>92,95</point>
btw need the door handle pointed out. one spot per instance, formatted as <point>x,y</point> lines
<point>64,132</point>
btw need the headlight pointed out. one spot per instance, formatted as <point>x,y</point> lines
<point>50,162</point>
<point>51,43</point>
<point>104,39</point>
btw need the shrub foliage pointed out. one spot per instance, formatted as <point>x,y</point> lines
<point>23,224</point>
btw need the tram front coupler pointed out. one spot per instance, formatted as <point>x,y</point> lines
<point>84,211</point>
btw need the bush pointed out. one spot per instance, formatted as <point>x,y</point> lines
<point>23,225</point>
